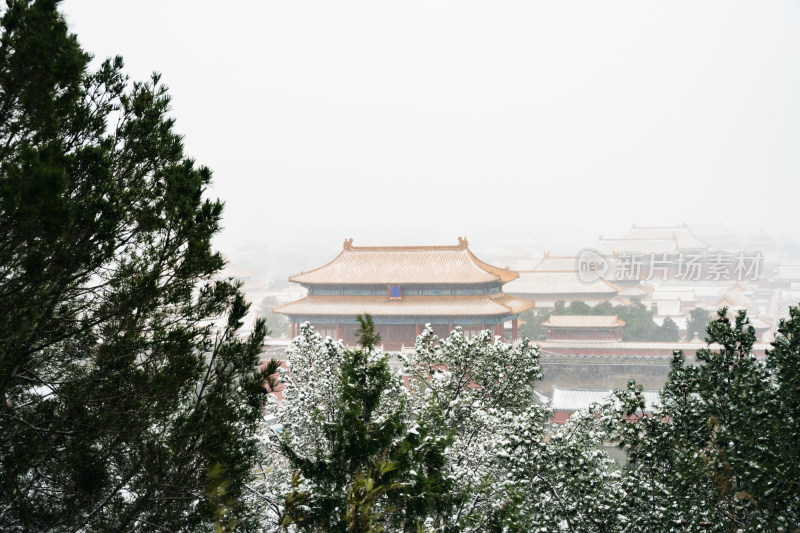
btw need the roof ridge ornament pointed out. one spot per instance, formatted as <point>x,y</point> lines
<point>462,243</point>
<point>348,244</point>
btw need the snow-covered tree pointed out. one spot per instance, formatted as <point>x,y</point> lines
<point>456,442</point>
<point>566,480</point>
<point>472,390</point>
<point>721,453</point>
<point>346,426</point>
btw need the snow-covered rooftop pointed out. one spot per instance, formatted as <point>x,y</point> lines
<point>421,265</point>
<point>584,321</point>
<point>577,399</point>
<point>468,305</point>
<point>538,282</point>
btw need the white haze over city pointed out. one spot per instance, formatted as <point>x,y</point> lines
<point>537,124</point>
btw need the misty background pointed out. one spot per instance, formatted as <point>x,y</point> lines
<point>539,125</point>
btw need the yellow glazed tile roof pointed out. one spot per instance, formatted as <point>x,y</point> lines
<point>420,265</point>
<point>583,321</point>
<point>471,305</point>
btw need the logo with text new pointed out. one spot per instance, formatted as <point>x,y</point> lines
<point>591,266</point>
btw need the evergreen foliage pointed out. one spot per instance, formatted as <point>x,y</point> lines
<point>639,324</point>
<point>462,446</point>
<point>530,324</point>
<point>718,454</point>
<point>127,402</point>
<point>347,436</point>
<point>277,324</point>
<point>721,453</point>
<point>697,323</point>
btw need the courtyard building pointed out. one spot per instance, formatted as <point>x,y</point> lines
<point>404,288</point>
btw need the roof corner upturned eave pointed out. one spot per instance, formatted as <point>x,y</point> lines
<point>503,275</point>
<point>301,278</point>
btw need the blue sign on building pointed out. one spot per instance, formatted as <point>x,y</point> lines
<point>394,292</point>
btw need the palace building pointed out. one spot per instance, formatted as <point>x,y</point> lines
<point>403,288</point>
<point>583,328</point>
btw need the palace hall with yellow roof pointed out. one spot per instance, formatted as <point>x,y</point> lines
<point>403,288</point>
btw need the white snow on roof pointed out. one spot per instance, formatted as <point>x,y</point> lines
<point>633,292</point>
<point>682,234</point>
<point>583,321</point>
<point>610,246</point>
<point>556,263</point>
<point>789,268</point>
<point>632,347</point>
<point>674,293</point>
<point>577,399</point>
<point>557,283</point>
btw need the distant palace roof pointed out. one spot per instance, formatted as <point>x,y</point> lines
<point>418,265</point>
<point>654,239</point>
<point>555,263</point>
<point>584,321</point>
<point>576,399</point>
<point>639,245</point>
<point>687,240</point>
<point>788,269</point>
<point>547,282</point>
<point>472,305</point>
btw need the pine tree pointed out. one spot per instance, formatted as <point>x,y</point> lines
<point>347,438</point>
<point>697,323</point>
<point>127,401</point>
<point>668,332</point>
<point>277,324</point>
<point>530,324</point>
<point>462,446</point>
<point>721,453</point>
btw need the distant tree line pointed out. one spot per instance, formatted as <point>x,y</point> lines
<point>461,445</point>
<point>639,323</point>
<point>277,324</point>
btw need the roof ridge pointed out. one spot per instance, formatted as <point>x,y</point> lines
<point>403,248</point>
<point>672,237</point>
<point>462,245</point>
<point>404,297</point>
<point>475,270</point>
<point>598,316</point>
<point>682,227</point>
<point>660,227</point>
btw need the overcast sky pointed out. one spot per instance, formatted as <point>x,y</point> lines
<point>416,122</point>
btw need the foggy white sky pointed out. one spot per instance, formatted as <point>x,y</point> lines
<point>415,122</point>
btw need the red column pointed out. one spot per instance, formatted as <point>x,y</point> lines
<point>514,330</point>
